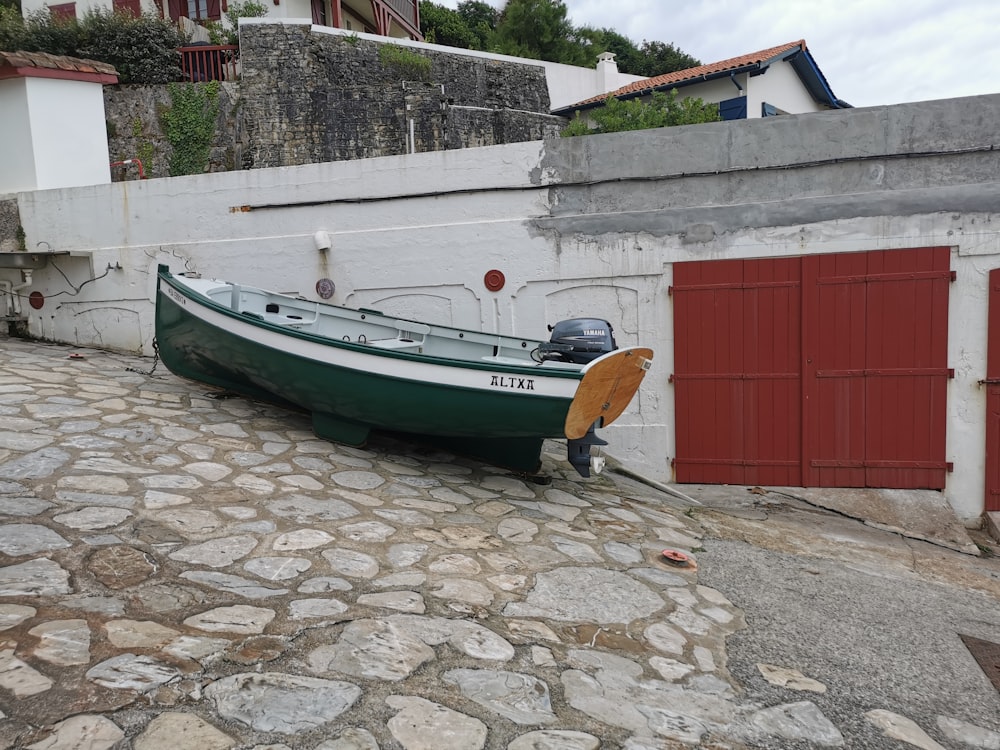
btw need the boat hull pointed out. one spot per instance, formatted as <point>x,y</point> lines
<point>499,414</point>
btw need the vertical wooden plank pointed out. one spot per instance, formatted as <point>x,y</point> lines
<point>993,395</point>
<point>835,454</point>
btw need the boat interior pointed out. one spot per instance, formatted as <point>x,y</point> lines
<point>373,328</point>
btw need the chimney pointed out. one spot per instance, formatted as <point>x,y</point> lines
<point>607,72</point>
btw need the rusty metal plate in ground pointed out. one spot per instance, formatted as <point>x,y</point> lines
<point>987,655</point>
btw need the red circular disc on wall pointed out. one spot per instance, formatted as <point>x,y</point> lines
<point>36,300</point>
<point>494,280</point>
<point>325,288</point>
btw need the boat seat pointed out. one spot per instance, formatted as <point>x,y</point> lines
<point>510,361</point>
<point>408,339</point>
<point>288,320</point>
<point>397,344</point>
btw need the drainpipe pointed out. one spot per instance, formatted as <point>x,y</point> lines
<point>732,77</point>
<point>16,290</point>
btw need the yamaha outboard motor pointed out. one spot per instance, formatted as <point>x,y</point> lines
<point>581,340</point>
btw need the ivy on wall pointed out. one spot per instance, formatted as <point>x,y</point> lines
<point>189,125</point>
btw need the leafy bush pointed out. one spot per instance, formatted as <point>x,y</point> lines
<point>52,34</point>
<point>12,32</point>
<point>143,49</point>
<point>219,33</point>
<point>406,63</point>
<point>663,110</point>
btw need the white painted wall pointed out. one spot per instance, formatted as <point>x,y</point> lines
<point>16,153</point>
<point>69,133</point>
<point>437,222</point>
<point>782,87</point>
<point>58,136</point>
<point>425,257</point>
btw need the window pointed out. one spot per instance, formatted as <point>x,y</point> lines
<point>196,10</point>
<point>769,110</point>
<point>63,11</point>
<point>733,109</point>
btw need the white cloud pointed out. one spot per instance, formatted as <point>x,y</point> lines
<point>871,51</point>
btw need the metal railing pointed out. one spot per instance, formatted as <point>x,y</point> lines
<point>209,62</point>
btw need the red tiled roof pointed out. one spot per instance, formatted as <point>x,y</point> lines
<point>44,65</point>
<point>679,76</point>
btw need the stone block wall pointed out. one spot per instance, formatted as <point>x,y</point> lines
<point>315,97</point>
<point>135,130</point>
<point>306,98</point>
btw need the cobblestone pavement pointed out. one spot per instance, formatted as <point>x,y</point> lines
<point>187,572</point>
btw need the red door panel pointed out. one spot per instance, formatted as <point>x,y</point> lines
<point>737,384</point>
<point>833,370</point>
<point>907,371</point>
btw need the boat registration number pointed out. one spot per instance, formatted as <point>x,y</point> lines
<point>176,296</point>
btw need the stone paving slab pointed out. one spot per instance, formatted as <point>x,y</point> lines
<point>179,570</point>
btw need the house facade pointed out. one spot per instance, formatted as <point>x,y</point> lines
<point>394,18</point>
<point>774,81</point>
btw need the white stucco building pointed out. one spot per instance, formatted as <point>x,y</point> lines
<point>778,80</point>
<point>38,94</point>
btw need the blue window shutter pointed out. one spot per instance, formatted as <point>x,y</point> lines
<point>768,110</point>
<point>733,109</point>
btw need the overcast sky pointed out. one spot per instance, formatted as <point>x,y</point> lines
<point>871,51</point>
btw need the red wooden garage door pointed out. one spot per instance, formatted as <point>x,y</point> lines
<point>825,371</point>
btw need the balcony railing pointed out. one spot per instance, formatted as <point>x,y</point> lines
<point>209,62</point>
<point>407,9</point>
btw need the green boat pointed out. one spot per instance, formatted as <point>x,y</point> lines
<point>479,394</point>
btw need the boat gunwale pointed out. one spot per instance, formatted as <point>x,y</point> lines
<point>204,300</point>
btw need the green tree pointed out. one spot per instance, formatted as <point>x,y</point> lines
<point>622,47</point>
<point>537,29</point>
<point>441,25</point>
<point>661,111</point>
<point>657,58</point>
<point>482,19</point>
